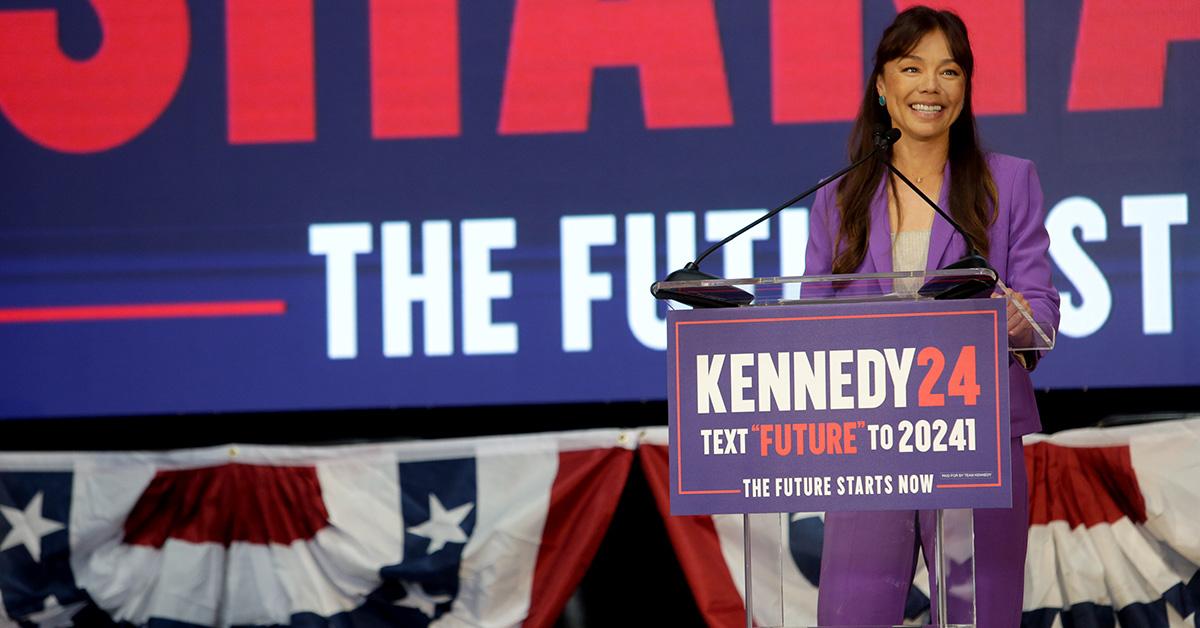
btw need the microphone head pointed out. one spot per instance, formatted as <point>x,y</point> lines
<point>886,137</point>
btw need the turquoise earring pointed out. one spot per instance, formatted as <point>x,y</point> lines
<point>882,101</point>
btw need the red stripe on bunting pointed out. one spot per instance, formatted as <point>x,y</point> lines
<point>585,494</point>
<point>1082,485</point>
<point>233,502</point>
<point>697,547</point>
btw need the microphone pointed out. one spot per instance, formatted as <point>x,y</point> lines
<point>732,296</point>
<point>955,288</point>
<point>885,138</point>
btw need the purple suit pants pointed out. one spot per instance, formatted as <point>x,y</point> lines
<point>869,559</point>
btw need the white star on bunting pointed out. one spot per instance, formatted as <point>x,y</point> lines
<point>417,598</point>
<point>55,615</point>
<point>444,526</point>
<point>28,527</point>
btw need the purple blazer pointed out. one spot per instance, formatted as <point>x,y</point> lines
<point>1018,243</point>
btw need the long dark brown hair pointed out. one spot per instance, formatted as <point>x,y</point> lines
<point>972,189</point>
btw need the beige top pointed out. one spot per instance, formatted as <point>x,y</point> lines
<point>909,252</point>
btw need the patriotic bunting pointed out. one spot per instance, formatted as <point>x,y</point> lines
<point>499,531</point>
<point>1114,537</point>
<point>485,532</point>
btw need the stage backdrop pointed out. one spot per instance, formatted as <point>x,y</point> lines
<point>287,204</point>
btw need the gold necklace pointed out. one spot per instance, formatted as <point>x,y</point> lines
<point>922,179</point>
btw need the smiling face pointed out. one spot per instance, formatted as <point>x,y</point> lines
<point>924,89</point>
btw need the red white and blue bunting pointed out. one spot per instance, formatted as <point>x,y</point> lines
<point>498,531</point>
<point>1114,537</point>
<point>479,532</point>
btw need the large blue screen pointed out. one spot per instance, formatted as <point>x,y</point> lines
<point>295,204</point>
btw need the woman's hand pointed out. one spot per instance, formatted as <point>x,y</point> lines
<point>1020,332</point>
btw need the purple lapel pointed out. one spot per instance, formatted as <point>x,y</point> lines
<point>940,232</point>
<point>880,243</point>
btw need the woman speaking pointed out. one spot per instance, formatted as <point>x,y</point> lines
<point>871,222</point>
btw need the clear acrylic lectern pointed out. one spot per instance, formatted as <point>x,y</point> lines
<point>782,552</point>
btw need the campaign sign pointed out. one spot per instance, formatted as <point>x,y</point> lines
<point>863,406</point>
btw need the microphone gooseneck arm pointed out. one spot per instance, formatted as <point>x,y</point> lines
<point>732,296</point>
<point>882,141</point>
<point>959,288</point>
<point>971,250</point>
